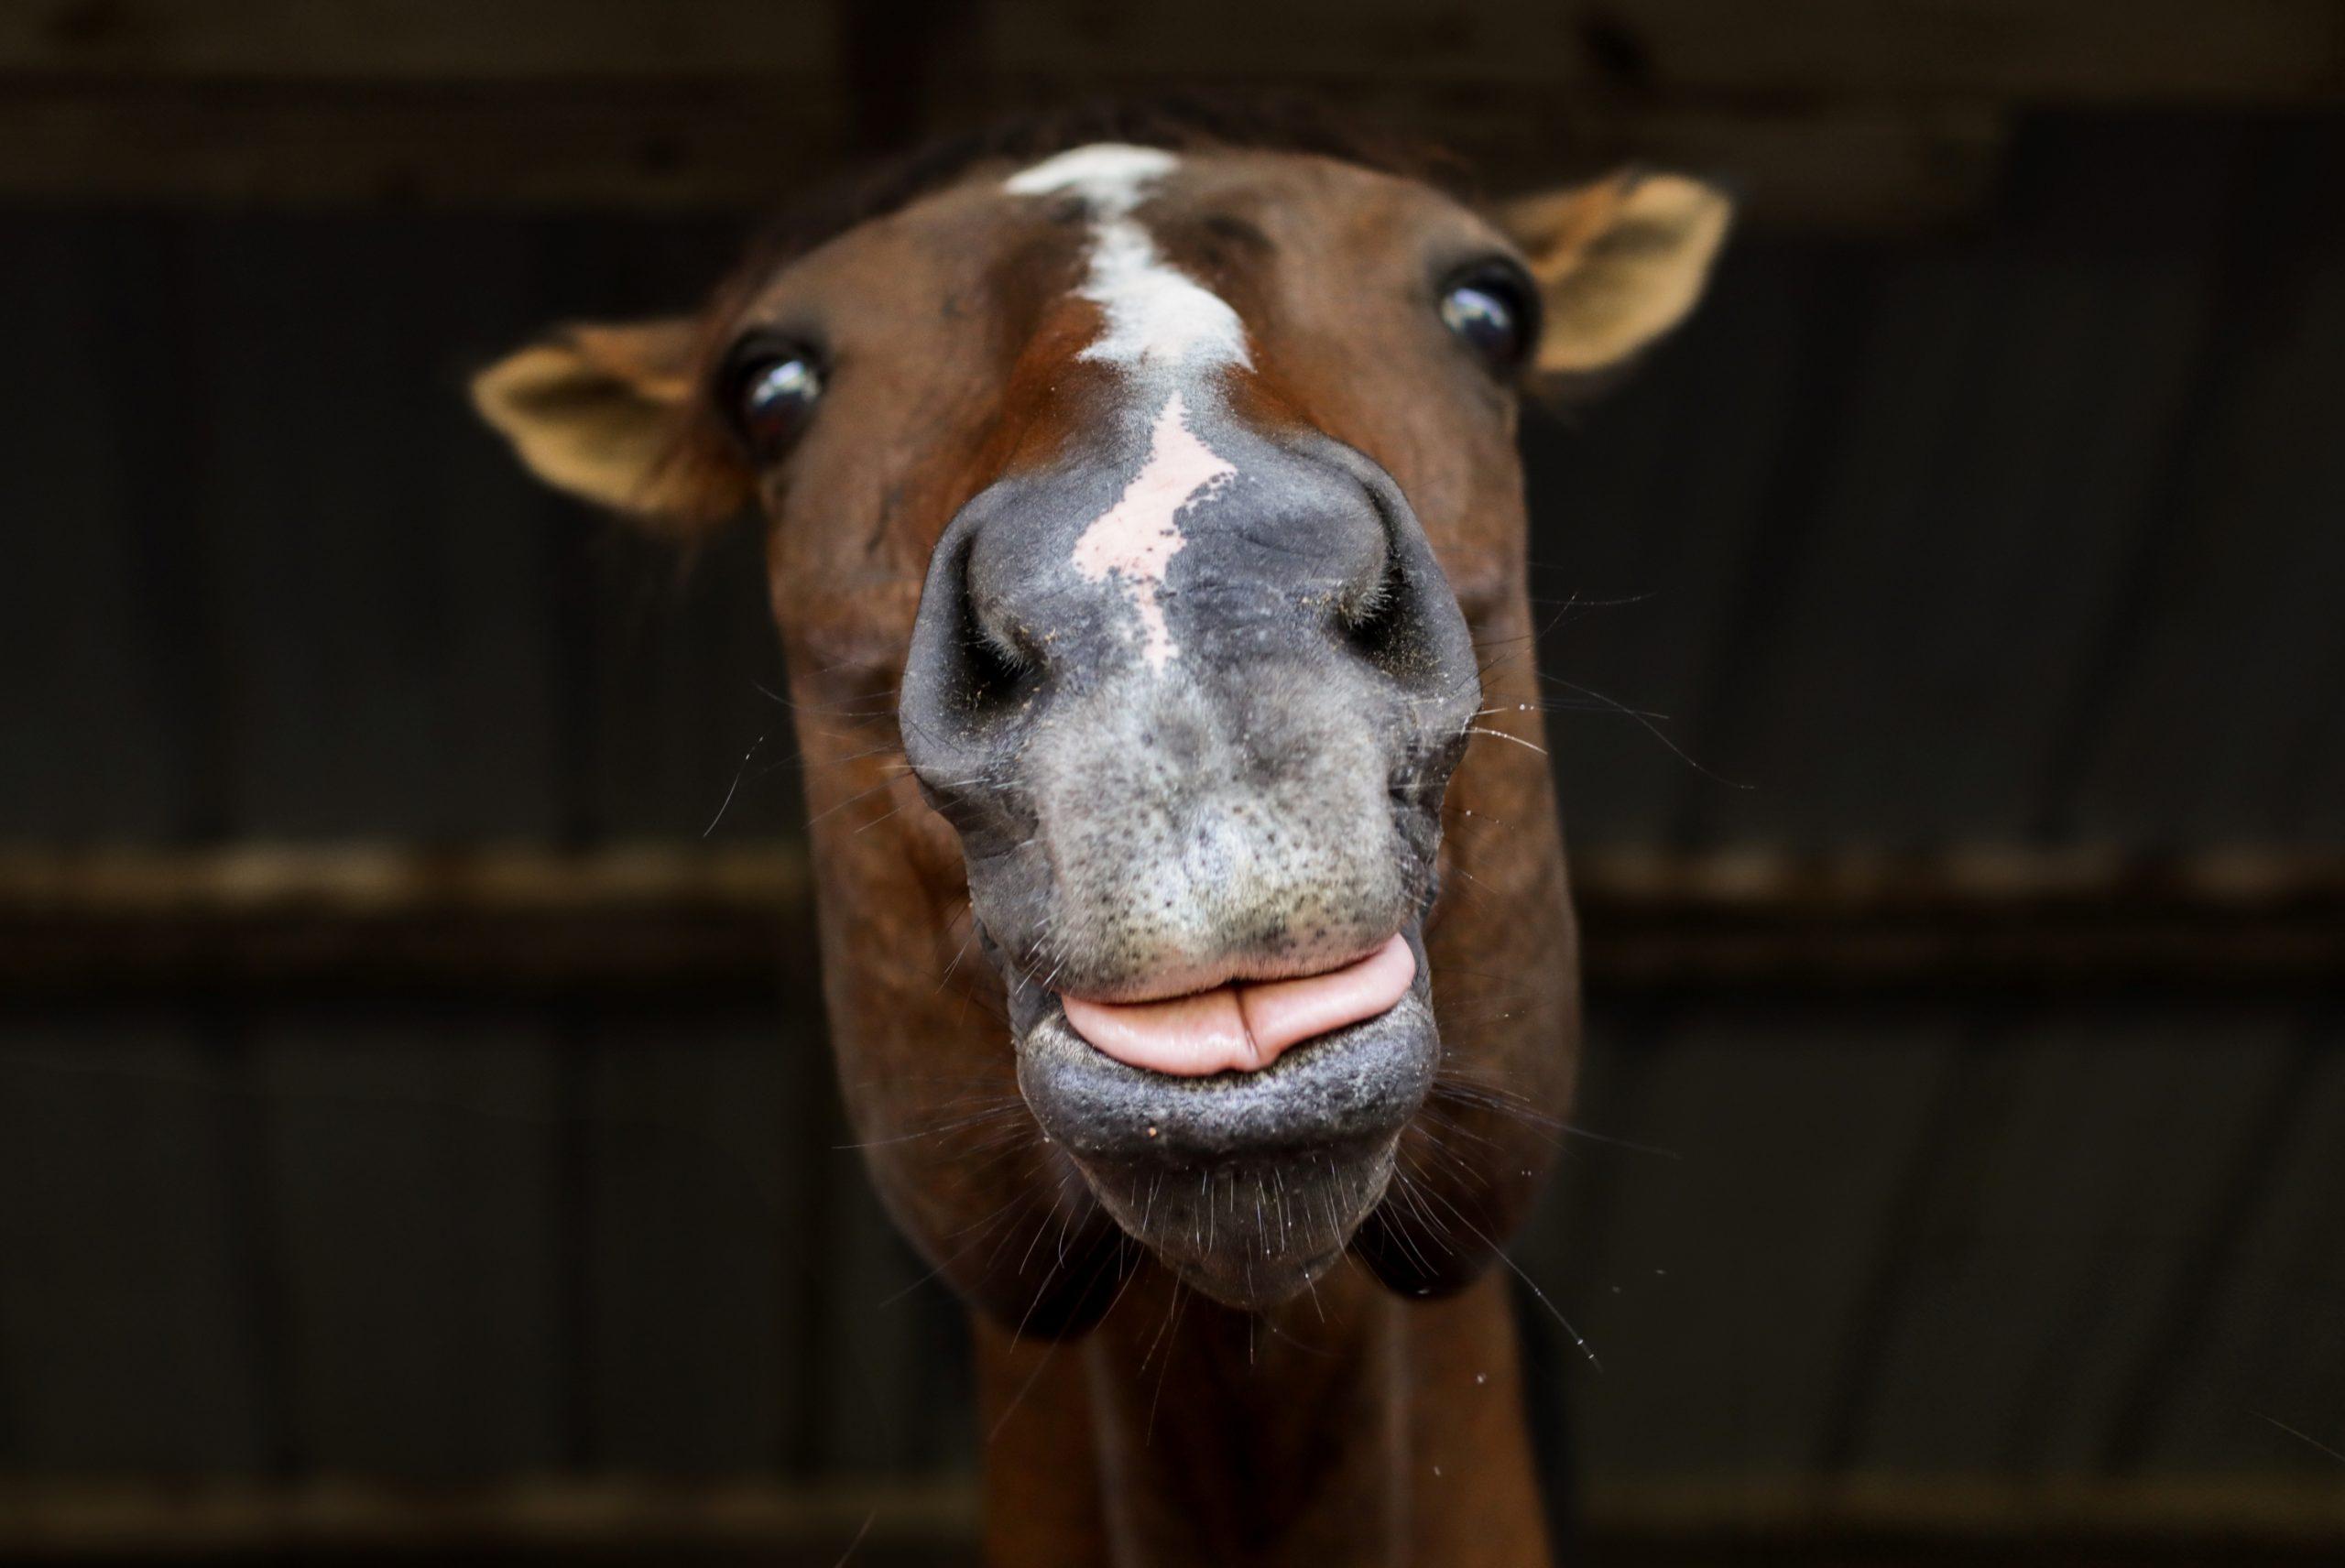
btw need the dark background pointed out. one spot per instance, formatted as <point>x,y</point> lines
<point>415,1125</point>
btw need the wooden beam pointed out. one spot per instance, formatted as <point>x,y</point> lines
<point>1849,166</point>
<point>639,1520</point>
<point>646,147</point>
<point>511,921</point>
<point>2076,1518</point>
<point>1883,1522</point>
<point>2092,51</point>
<point>2047,50</point>
<point>1840,113</point>
<point>352,41</point>
<point>636,148</point>
<point>519,921</point>
<point>1996,917</point>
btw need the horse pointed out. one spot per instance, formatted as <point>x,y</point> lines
<point>1146,536</point>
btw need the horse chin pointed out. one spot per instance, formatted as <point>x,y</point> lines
<point>1249,1233</point>
<point>1246,1185</point>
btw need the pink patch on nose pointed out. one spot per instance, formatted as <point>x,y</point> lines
<point>1136,539</point>
<point>1245,1025</point>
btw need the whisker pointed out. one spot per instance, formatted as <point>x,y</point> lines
<point>1541,1296</point>
<point>1654,729</point>
<point>734,788</point>
<point>2303,1437</point>
<point>1527,745</point>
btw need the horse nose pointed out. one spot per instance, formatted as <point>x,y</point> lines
<point>1046,584</point>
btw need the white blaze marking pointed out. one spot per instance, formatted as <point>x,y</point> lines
<point>1163,328</point>
<point>1159,320</point>
<point>1109,174</point>
<point>1136,538</point>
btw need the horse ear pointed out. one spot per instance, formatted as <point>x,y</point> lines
<point>606,413</point>
<point>1619,262</point>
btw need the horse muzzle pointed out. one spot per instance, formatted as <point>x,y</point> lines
<point>1199,799</point>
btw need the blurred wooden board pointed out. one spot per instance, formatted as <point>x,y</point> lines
<point>2049,49</point>
<point>410,1164</point>
<point>360,41</point>
<point>1717,1258</point>
<point>698,1206</point>
<point>1879,1523</point>
<point>1834,112</point>
<point>724,146</point>
<point>129,1339</point>
<point>2089,49</point>
<point>525,921</point>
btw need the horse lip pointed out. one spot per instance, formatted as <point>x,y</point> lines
<point>1247,1025</point>
<point>1255,973</point>
<point>1362,1081</point>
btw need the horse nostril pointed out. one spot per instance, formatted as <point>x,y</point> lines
<point>967,679</point>
<point>1394,611</point>
<point>1375,621</point>
<point>1004,661</point>
<point>997,672</point>
<point>1407,627</point>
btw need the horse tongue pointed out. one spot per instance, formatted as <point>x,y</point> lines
<point>1245,1025</point>
<point>1189,1037</point>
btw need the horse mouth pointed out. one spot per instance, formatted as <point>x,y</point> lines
<point>1244,1026</point>
<point>1241,1134</point>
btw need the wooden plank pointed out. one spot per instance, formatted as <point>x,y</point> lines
<point>1638,557</point>
<point>740,942</point>
<point>2211,729</point>
<point>648,148</point>
<point>690,737</point>
<point>412,1174</point>
<point>2049,1245</point>
<point>616,600</point>
<point>2156,49</point>
<point>698,1259</point>
<point>1960,559</point>
<point>1831,112</point>
<point>109,924</point>
<point>1731,1272</point>
<point>363,40</point>
<point>1806,663</point>
<point>2269,1353</point>
<point>893,1390</point>
<point>1886,1519</point>
<point>386,672</point>
<point>614,1519</point>
<point>644,147</point>
<point>667,667</point>
<point>2077,51</point>
<point>1879,1521</point>
<point>96,731</point>
<point>126,1345</point>
<point>2142,1253</point>
<point>2161,49</point>
<point>2319,812</point>
<point>371,881</point>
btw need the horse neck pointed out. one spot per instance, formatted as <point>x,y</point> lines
<point>1357,1429</point>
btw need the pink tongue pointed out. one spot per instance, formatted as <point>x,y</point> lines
<point>1245,1025</point>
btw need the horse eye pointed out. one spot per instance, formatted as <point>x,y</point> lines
<point>1489,314</point>
<point>774,395</point>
